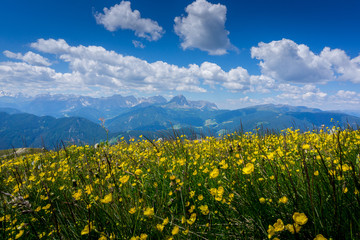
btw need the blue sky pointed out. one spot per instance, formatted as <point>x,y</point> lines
<point>231,52</point>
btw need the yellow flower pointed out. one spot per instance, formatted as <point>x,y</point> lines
<point>103,237</point>
<point>306,147</point>
<point>138,172</point>
<point>166,221</point>
<point>47,206</point>
<point>143,236</point>
<point>107,199</point>
<point>124,179</point>
<point>214,173</point>
<point>200,197</point>
<point>160,227</point>
<point>271,231</point>
<point>185,232</point>
<point>300,218</point>
<point>132,210</point>
<point>279,225</point>
<point>149,212</point>
<point>316,173</point>
<point>87,229</point>
<point>77,195</point>
<point>204,209</point>
<point>320,237</point>
<point>89,189</point>
<point>262,200</point>
<point>293,227</point>
<point>19,234</point>
<point>248,169</point>
<point>283,200</point>
<point>175,230</point>
<point>192,219</point>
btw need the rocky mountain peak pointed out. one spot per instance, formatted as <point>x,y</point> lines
<point>179,100</point>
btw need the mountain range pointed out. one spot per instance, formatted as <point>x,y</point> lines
<point>49,119</point>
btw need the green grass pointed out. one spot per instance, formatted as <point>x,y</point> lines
<point>239,186</point>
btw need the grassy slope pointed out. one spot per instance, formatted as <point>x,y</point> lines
<point>241,186</point>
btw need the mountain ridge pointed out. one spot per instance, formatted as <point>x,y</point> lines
<point>151,115</point>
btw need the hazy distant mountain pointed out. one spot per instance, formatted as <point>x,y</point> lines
<point>159,118</point>
<point>181,102</point>
<point>177,114</point>
<point>9,110</point>
<point>128,116</point>
<point>92,108</point>
<point>281,117</point>
<point>27,130</point>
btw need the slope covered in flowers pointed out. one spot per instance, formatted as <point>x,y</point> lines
<point>242,186</point>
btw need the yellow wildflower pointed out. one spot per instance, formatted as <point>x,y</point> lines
<point>283,200</point>
<point>214,173</point>
<point>279,225</point>
<point>248,169</point>
<point>175,230</point>
<point>47,206</point>
<point>138,172</point>
<point>160,227</point>
<point>87,229</point>
<point>166,221</point>
<point>143,236</point>
<point>306,147</point>
<point>192,219</point>
<point>107,199</point>
<point>293,227</point>
<point>204,209</point>
<point>124,179</point>
<point>19,234</point>
<point>320,237</point>
<point>77,195</point>
<point>300,218</point>
<point>271,231</point>
<point>132,210</point>
<point>103,237</point>
<point>149,212</point>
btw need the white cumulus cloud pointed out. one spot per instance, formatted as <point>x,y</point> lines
<point>285,60</point>
<point>288,61</point>
<point>204,28</point>
<point>120,16</point>
<point>29,57</point>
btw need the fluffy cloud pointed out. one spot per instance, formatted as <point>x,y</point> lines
<point>347,69</point>
<point>285,60</point>
<point>95,70</point>
<point>29,57</point>
<point>96,66</point>
<point>288,61</point>
<point>300,94</point>
<point>204,28</point>
<point>121,16</point>
<point>51,45</point>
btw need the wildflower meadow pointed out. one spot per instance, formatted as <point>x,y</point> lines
<point>286,185</point>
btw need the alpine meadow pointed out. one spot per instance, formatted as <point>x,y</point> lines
<point>180,120</point>
<point>289,185</point>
